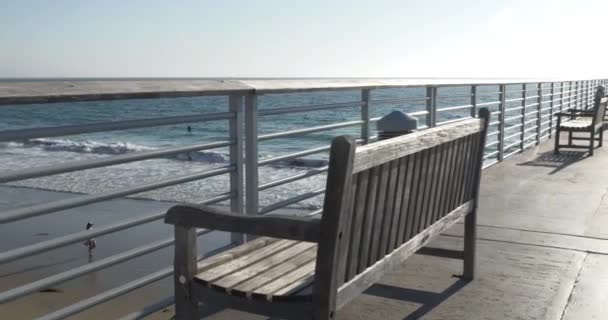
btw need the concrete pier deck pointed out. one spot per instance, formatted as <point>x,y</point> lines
<point>542,250</point>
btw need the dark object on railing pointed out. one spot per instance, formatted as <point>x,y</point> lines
<point>384,201</point>
<point>585,121</point>
<point>395,124</point>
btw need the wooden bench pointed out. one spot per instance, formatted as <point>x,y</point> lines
<point>585,121</point>
<point>384,201</point>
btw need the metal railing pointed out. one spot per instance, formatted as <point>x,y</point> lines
<point>522,117</point>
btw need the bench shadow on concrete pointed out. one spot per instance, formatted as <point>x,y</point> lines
<point>556,161</point>
<point>428,300</point>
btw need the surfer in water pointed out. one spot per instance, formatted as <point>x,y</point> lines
<point>189,128</point>
<point>90,243</point>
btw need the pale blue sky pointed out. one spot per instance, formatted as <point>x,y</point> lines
<point>308,38</point>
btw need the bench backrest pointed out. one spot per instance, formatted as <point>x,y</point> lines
<point>381,195</point>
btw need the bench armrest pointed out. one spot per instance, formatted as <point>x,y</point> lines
<point>284,227</point>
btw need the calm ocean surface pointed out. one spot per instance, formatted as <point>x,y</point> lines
<point>37,152</point>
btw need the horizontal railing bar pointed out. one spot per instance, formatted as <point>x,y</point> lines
<point>300,176</point>
<point>514,126</point>
<point>488,103</point>
<point>468,106</point>
<point>531,113</point>
<point>514,109</point>
<point>496,112</point>
<point>529,144</point>
<point>47,245</point>
<point>531,105</point>
<point>545,136</point>
<point>292,133</point>
<point>493,123</point>
<point>103,162</point>
<point>487,93</point>
<point>49,281</point>
<point>531,97</point>
<point>492,133</point>
<point>532,136</point>
<point>492,143</point>
<point>108,295</point>
<point>514,99</point>
<point>512,136</point>
<point>150,309</point>
<point>440,96</point>
<point>44,208</point>
<point>512,145</point>
<point>453,120</point>
<point>275,111</point>
<point>23,134</point>
<point>293,155</point>
<point>530,129</point>
<point>513,118</point>
<point>399,100</point>
<point>490,155</point>
<point>296,199</point>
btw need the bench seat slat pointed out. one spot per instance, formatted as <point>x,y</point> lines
<point>250,285</point>
<point>253,270</point>
<point>224,269</point>
<point>289,283</point>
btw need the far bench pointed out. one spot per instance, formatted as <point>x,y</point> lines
<point>586,121</point>
<point>383,202</point>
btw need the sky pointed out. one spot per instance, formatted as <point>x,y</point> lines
<point>307,38</point>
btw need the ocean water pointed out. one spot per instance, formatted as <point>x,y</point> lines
<point>17,155</point>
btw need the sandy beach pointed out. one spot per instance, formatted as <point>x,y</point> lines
<point>22,271</point>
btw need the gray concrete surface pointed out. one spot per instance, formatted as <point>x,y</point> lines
<point>543,250</point>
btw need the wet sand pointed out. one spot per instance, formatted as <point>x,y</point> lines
<point>22,271</point>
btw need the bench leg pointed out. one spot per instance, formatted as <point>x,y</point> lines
<point>556,150</point>
<point>186,307</point>
<point>591,142</point>
<point>470,233</point>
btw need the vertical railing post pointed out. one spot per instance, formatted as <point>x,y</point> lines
<point>571,93</point>
<point>251,154</point>
<point>473,101</point>
<point>524,88</point>
<point>551,104</point>
<point>538,112</point>
<point>236,159</point>
<point>365,127</point>
<point>501,125</point>
<point>561,98</point>
<point>431,106</point>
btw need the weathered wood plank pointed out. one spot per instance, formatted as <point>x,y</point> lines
<point>337,197</point>
<point>234,253</point>
<point>251,271</point>
<point>383,151</point>
<point>402,169</point>
<point>389,211</point>
<point>419,200</point>
<point>357,228</point>
<point>428,194</point>
<point>284,227</point>
<point>411,208</point>
<point>346,232</point>
<point>184,265</point>
<point>438,191</point>
<point>210,275</point>
<point>379,214</point>
<point>446,187</point>
<point>370,209</point>
<point>276,272</point>
<point>405,199</point>
<point>362,281</point>
<point>288,282</point>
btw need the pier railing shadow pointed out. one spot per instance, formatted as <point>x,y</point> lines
<point>556,161</point>
<point>428,300</point>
